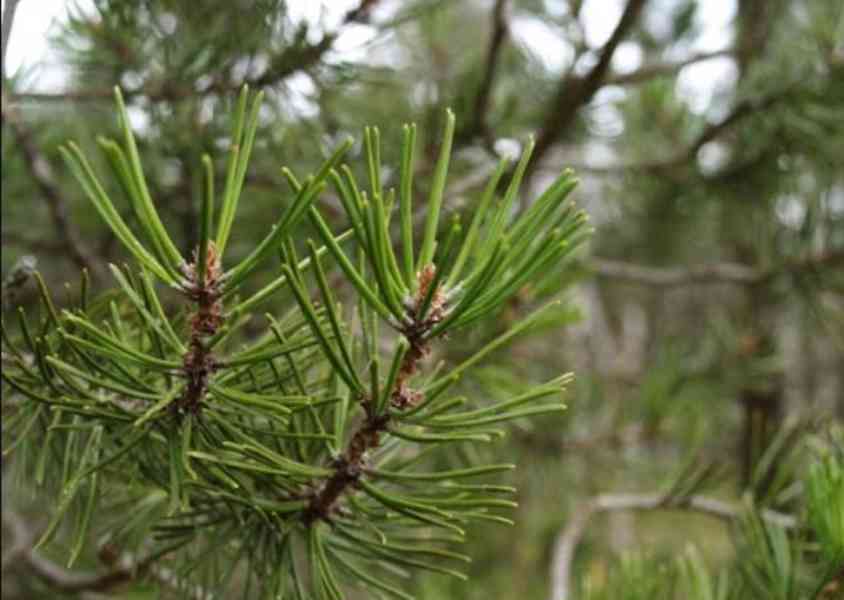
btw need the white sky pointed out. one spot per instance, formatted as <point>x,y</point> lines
<point>29,42</point>
<point>36,19</point>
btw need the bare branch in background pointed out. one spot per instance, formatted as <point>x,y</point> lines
<point>664,69</point>
<point>38,165</point>
<point>668,167</point>
<point>124,570</point>
<point>479,125</point>
<point>616,438</point>
<point>569,539</point>
<point>32,243</point>
<point>42,173</point>
<point>575,91</point>
<point>672,277</point>
<point>733,273</point>
<point>742,110</point>
<point>360,14</point>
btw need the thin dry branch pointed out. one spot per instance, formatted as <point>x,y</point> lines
<point>664,69</point>
<point>673,277</point>
<point>569,539</point>
<point>479,125</point>
<point>42,173</point>
<point>742,110</point>
<point>576,91</point>
<point>670,166</point>
<point>125,570</point>
<point>732,273</point>
<point>32,243</point>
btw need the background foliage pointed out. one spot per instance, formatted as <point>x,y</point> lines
<point>706,324</point>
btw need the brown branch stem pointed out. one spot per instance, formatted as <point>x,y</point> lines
<point>348,468</point>
<point>64,580</point>
<point>199,363</point>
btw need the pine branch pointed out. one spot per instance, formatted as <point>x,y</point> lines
<point>217,435</point>
<point>204,291</point>
<point>349,467</point>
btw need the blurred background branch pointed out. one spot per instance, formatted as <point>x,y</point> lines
<point>715,273</point>
<point>575,91</point>
<point>569,539</point>
<point>42,174</point>
<point>123,570</point>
